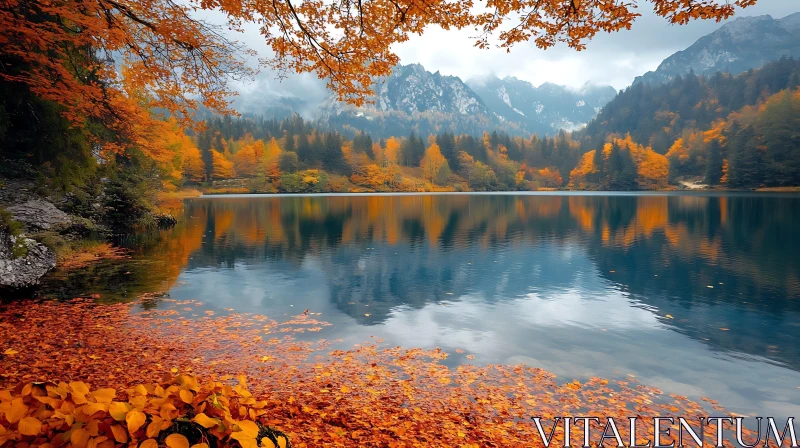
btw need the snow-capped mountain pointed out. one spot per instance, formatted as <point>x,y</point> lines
<point>411,89</point>
<point>414,99</point>
<point>544,109</point>
<point>737,46</point>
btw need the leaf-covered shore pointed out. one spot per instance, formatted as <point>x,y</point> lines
<point>369,395</point>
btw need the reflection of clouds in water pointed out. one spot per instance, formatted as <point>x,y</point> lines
<point>560,335</point>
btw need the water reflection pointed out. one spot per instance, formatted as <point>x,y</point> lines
<point>696,294</point>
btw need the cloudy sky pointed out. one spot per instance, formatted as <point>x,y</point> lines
<point>614,59</point>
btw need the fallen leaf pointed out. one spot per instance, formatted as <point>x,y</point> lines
<point>135,419</point>
<point>29,426</point>
<point>177,441</point>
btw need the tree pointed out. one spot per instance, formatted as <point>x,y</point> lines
<point>223,168</point>
<point>745,159</point>
<point>69,52</point>
<point>194,169</point>
<point>432,163</point>
<point>204,145</point>
<point>482,177</point>
<point>447,144</point>
<point>246,159</point>
<point>333,157</point>
<point>371,176</point>
<point>391,153</point>
<point>288,162</point>
<point>304,153</point>
<point>412,150</point>
<point>714,163</point>
<point>621,169</point>
<point>550,177</point>
<point>362,144</point>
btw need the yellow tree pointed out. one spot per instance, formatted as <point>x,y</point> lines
<point>223,168</point>
<point>433,162</point>
<point>391,152</point>
<point>194,169</point>
<point>269,160</point>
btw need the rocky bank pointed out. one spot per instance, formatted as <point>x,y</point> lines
<point>23,259</point>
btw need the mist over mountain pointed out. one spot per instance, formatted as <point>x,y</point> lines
<point>543,110</point>
<point>737,46</point>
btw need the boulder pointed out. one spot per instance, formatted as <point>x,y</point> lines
<point>37,214</point>
<point>18,272</point>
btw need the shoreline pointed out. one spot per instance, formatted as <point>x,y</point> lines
<point>319,395</point>
<point>677,192</point>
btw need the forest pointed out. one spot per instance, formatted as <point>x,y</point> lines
<point>723,131</point>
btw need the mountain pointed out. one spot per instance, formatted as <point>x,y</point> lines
<point>545,109</point>
<point>737,46</point>
<point>414,99</point>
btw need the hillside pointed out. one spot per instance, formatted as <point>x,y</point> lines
<point>657,114</point>
<point>737,46</point>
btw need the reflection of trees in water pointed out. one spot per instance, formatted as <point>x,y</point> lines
<point>664,250</point>
<point>751,237</point>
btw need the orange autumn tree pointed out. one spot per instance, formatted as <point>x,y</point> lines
<point>69,51</point>
<point>652,169</point>
<point>247,159</point>
<point>582,176</point>
<point>194,169</point>
<point>223,168</point>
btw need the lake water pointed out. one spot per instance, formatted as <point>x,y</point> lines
<point>696,294</point>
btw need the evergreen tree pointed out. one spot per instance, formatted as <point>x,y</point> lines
<point>745,161</point>
<point>289,146</point>
<point>204,145</point>
<point>447,145</point>
<point>621,174</point>
<point>714,163</point>
<point>317,149</point>
<point>333,157</point>
<point>304,150</point>
<point>599,162</point>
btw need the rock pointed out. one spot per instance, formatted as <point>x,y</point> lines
<point>40,215</point>
<point>25,271</point>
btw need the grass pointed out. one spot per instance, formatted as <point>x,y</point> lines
<point>19,249</point>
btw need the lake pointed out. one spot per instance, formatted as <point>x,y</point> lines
<point>694,293</point>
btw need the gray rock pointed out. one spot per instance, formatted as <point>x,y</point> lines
<point>40,215</point>
<point>26,271</point>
